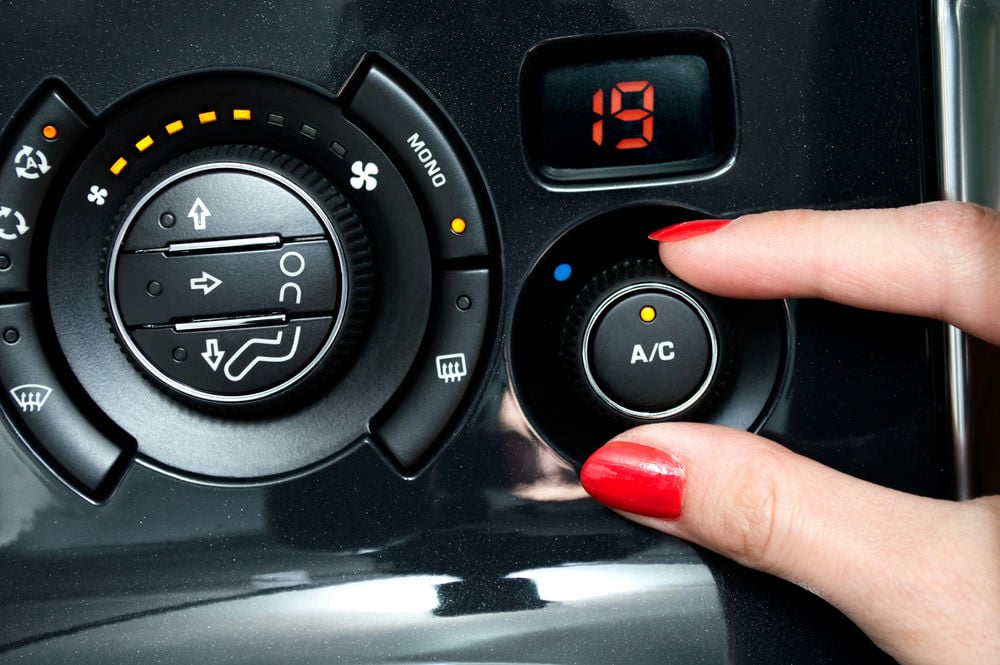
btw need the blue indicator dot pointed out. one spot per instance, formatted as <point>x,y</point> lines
<point>562,272</point>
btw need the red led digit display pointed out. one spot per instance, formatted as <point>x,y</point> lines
<point>643,114</point>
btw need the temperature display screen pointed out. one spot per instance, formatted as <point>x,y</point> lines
<point>648,113</point>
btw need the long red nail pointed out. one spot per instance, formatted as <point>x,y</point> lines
<point>685,230</point>
<point>635,478</point>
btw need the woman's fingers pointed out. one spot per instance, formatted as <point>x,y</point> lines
<point>920,576</point>
<point>936,259</point>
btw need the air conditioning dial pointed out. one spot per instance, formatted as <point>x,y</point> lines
<point>642,345</point>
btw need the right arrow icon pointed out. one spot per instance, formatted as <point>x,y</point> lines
<point>206,283</point>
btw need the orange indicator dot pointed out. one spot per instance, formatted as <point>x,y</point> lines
<point>119,165</point>
<point>458,226</point>
<point>174,127</point>
<point>241,114</point>
<point>207,117</point>
<point>647,314</point>
<point>51,132</point>
<point>144,143</point>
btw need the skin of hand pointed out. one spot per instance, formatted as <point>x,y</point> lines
<point>920,576</point>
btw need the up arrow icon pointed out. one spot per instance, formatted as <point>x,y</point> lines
<point>199,213</point>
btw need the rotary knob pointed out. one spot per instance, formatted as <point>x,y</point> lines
<point>644,346</point>
<point>238,275</point>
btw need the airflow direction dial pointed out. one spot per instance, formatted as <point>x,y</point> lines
<point>237,273</point>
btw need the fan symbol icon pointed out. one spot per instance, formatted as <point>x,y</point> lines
<point>97,195</point>
<point>364,176</point>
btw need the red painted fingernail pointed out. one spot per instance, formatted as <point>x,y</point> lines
<point>635,478</point>
<point>685,230</point>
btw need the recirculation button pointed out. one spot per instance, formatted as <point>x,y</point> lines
<point>50,132</point>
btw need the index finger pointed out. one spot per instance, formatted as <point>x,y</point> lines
<point>940,260</point>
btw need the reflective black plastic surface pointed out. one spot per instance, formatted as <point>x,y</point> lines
<point>491,552</point>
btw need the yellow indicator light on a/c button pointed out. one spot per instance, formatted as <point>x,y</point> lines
<point>458,226</point>
<point>51,132</point>
<point>647,314</point>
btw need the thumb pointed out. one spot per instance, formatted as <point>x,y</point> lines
<point>906,569</point>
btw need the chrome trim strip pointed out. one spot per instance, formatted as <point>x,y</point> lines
<point>951,142</point>
<point>956,348</point>
<point>235,322</point>
<point>225,244</point>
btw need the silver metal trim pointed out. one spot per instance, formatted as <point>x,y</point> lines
<point>713,350</point>
<point>236,322</point>
<point>231,243</point>
<point>953,140</point>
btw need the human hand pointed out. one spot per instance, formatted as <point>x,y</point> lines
<point>924,584</point>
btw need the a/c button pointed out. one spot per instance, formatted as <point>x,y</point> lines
<point>649,351</point>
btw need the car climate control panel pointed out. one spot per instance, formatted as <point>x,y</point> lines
<point>226,256</point>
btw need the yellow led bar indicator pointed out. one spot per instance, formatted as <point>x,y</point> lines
<point>144,143</point>
<point>207,117</point>
<point>241,114</point>
<point>174,127</point>
<point>119,165</point>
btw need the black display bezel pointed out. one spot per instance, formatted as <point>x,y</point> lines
<point>551,55</point>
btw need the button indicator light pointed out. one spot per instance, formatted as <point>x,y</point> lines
<point>50,132</point>
<point>458,226</point>
<point>241,114</point>
<point>647,314</point>
<point>562,272</point>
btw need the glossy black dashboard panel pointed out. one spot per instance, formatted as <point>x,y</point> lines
<point>476,543</point>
